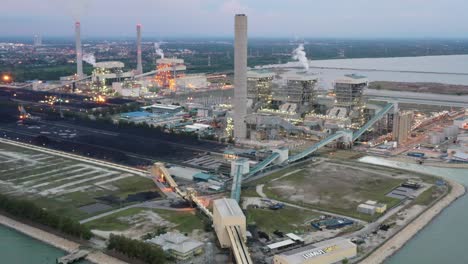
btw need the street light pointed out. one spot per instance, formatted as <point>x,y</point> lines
<point>6,78</point>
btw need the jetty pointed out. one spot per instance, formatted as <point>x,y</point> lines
<point>73,257</point>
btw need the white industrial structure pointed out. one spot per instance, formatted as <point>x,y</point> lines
<point>108,72</point>
<point>79,51</point>
<point>240,76</point>
<point>192,82</point>
<point>230,226</point>
<point>325,252</point>
<point>139,69</point>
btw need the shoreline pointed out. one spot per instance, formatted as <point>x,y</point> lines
<point>432,163</point>
<point>56,241</point>
<point>395,243</point>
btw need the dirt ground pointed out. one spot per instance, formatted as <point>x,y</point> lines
<point>331,185</point>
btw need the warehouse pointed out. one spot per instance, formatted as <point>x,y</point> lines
<point>178,245</point>
<point>325,252</point>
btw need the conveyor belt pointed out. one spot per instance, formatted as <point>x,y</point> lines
<point>240,250</point>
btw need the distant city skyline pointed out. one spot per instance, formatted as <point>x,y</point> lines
<point>267,18</point>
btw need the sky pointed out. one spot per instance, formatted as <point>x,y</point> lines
<point>267,18</point>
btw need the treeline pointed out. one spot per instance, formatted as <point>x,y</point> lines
<point>136,249</point>
<point>27,210</point>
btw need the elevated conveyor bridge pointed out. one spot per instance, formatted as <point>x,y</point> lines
<point>372,121</point>
<point>238,246</point>
<point>341,134</point>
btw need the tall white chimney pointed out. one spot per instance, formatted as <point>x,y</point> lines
<point>240,76</point>
<point>139,68</point>
<point>79,52</point>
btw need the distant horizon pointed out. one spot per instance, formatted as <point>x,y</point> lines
<point>224,38</point>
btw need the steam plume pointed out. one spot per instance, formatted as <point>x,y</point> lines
<point>300,55</point>
<point>158,50</point>
<point>89,58</point>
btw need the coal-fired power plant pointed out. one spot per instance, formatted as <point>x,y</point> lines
<point>240,76</point>
<point>79,51</point>
<point>139,69</point>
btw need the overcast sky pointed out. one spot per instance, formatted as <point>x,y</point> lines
<point>267,18</point>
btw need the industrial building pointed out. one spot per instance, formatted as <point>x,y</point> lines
<point>163,119</point>
<point>128,89</point>
<point>259,87</point>
<point>349,96</point>
<point>178,245</point>
<point>107,72</point>
<point>226,212</point>
<point>402,123</point>
<point>168,70</point>
<point>299,89</point>
<point>191,82</point>
<point>163,109</point>
<point>326,252</point>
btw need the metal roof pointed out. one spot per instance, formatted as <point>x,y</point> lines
<point>228,207</point>
<point>300,254</point>
<point>283,243</point>
<point>203,176</point>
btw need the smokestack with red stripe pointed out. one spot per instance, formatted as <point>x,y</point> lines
<point>79,52</point>
<point>139,68</point>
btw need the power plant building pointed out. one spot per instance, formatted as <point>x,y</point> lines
<point>402,124</point>
<point>259,86</point>
<point>240,76</point>
<point>169,69</point>
<point>349,95</point>
<point>349,91</point>
<point>299,90</point>
<point>107,72</point>
<point>226,213</point>
<point>326,252</point>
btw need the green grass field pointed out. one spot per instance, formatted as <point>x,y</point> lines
<point>332,187</point>
<point>184,221</point>
<point>286,220</point>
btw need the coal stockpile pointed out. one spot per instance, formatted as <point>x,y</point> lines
<point>119,145</point>
<point>131,198</point>
<point>142,197</point>
<point>8,111</point>
<point>74,100</point>
<point>150,134</point>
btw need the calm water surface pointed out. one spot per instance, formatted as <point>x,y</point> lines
<point>444,240</point>
<point>16,248</point>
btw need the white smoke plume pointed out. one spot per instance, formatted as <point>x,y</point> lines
<point>158,50</point>
<point>300,55</point>
<point>89,58</point>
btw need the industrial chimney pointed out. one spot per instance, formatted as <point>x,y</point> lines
<point>79,52</point>
<point>139,68</point>
<point>240,76</point>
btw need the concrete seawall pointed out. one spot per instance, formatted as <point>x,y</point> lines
<point>395,243</point>
<point>56,241</point>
